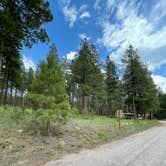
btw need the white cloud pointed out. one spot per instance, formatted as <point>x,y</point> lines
<point>28,62</point>
<point>160,82</point>
<point>85,15</point>
<point>133,28</point>
<point>71,55</point>
<point>70,14</point>
<point>83,36</point>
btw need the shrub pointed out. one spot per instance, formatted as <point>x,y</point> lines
<point>47,110</point>
<point>44,117</point>
<point>36,101</point>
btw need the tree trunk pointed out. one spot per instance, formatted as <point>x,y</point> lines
<point>1,98</point>
<point>11,93</point>
<point>6,88</point>
<point>82,103</point>
<point>134,110</point>
<point>150,115</point>
<point>1,56</point>
<point>21,99</point>
<point>110,112</point>
<point>15,97</point>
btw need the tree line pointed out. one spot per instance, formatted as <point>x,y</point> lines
<point>67,84</point>
<point>90,89</point>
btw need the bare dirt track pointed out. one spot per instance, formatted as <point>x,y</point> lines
<point>147,148</point>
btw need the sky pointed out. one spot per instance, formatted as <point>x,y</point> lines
<point>112,25</point>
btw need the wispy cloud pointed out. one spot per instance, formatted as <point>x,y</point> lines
<point>85,15</point>
<point>134,28</point>
<point>72,13</point>
<point>159,10</point>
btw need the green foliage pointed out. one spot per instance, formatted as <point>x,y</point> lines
<point>21,23</point>
<point>17,113</point>
<point>87,79</point>
<point>36,101</point>
<point>46,111</point>
<point>161,113</point>
<point>50,79</point>
<point>27,19</point>
<point>44,119</point>
<point>60,145</point>
<point>112,86</point>
<point>44,115</point>
<point>139,89</point>
<point>48,95</point>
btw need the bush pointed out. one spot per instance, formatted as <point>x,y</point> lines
<point>43,118</point>
<point>46,111</point>
<point>36,101</point>
<point>17,113</point>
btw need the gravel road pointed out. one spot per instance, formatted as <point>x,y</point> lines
<point>147,148</point>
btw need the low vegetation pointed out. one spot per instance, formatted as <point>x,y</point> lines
<point>22,140</point>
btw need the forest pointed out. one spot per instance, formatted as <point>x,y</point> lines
<point>67,105</point>
<point>59,86</point>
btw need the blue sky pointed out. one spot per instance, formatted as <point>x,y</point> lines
<point>112,25</point>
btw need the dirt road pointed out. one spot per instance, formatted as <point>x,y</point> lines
<point>144,149</point>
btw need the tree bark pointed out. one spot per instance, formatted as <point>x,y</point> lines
<point>134,109</point>
<point>15,97</point>
<point>1,56</point>
<point>150,115</point>
<point>1,98</point>
<point>6,88</point>
<point>11,95</point>
<point>82,103</point>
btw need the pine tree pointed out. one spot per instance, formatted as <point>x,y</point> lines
<point>97,83</point>
<point>112,84</point>
<point>81,70</point>
<point>50,77</point>
<point>30,77</point>
<point>21,22</point>
<point>161,113</point>
<point>132,77</point>
<point>87,77</point>
<point>140,91</point>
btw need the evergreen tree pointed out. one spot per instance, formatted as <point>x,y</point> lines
<point>30,77</point>
<point>50,79</point>
<point>87,77</point>
<point>140,91</point>
<point>112,84</point>
<point>161,113</point>
<point>81,70</point>
<point>132,77</point>
<point>97,83</point>
<point>21,22</point>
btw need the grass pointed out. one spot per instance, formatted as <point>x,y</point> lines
<point>19,147</point>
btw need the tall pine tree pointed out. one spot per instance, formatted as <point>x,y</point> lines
<point>112,84</point>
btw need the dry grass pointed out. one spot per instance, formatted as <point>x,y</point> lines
<point>18,147</point>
